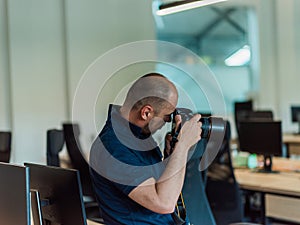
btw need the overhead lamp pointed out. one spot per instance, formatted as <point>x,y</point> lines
<point>179,6</point>
<point>239,58</point>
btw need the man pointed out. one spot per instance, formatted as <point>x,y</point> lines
<point>131,183</point>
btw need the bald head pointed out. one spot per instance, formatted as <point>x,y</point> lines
<point>153,89</point>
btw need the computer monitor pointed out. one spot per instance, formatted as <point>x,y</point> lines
<point>14,194</point>
<point>56,195</point>
<point>295,110</point>
<point>263,138</point>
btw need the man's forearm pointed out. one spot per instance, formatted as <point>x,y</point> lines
<point>170,183</point>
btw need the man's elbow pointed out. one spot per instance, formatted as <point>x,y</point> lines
<point>165,208</point>
<point>167,211</point>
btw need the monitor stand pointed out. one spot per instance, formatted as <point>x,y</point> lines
<point>267,165</point>
<point>36,207</point>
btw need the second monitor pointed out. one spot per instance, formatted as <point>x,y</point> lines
<point>58,196</point>
<point>263,138</point>
<point>14,194</point>
<point>295,111</point>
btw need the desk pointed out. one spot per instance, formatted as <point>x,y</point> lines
<point>292,143</point>
<point>277,188</point>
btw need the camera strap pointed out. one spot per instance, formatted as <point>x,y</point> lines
<point>174,138</point>
<point>179,215</point>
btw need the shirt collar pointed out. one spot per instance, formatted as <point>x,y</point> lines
<point>114,113</point>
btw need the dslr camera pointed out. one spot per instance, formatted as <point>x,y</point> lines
<point>209,124</point>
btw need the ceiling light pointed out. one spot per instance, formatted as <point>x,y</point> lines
<point>240,58</point>
<point>179,6</point>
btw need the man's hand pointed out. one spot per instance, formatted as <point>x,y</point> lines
<point>168,138</point>
<point>190,132</point>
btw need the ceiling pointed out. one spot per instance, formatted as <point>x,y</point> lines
<point>215,31</point>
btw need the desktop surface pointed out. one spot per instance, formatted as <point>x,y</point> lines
<point>280,191</point>
<point>287,182</point>
<point>293,138</point>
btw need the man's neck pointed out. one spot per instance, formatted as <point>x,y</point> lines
<point>133,117</point>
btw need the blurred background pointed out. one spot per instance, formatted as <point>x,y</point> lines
<point>46,46</point>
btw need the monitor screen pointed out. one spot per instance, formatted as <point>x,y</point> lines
<point>60,195</point>
<point>14,195</point>
<point>261,137</point>
<point>295,110</point>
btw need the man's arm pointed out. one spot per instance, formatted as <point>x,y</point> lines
<point>161,195</point>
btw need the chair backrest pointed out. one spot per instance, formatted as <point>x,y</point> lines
<point>5,146</point>
<point>197,205</point>
<point>239,109</point>
<point>55,143</point>
<point>71,134</point>
<point>223,157</point>
<point>222,189</point>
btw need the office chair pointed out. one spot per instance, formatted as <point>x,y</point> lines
<point>5,146</point>
<point>240,108</point>
<point>222,189</point>
<point>259,115</point>
<point>196,203</point>
<point>71,136</point>
<point>55,143</point>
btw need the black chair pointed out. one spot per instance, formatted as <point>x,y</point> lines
<point>5,146</point>
<point>71,135</point>
<point>55,143</point>
<point>259,115</point>
<point>222,189</point>
<point>240,108</point>
<point>195,198</point>
<point>197,206</point>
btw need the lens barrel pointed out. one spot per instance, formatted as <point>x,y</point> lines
<point>206,127</point>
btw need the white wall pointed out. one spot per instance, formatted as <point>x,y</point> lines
<point>93,28</point>
<point>288,60</point>
<point>37,75</point>
<point>278,59</point>
<point>5,106</point>
<point>50,45</point>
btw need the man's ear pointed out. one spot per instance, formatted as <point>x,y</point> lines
<point>147,112</point>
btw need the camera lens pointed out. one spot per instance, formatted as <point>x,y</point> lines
<point>209,124</point>
<point>206,127</point>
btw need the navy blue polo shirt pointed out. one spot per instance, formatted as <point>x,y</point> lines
<point>121,158</point>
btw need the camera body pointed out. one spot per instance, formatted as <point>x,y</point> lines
<point>187,114</point>
<point>213,129</point>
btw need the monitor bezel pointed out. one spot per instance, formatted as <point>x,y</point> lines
<point>40,211</point>
<point>16,178</point>
<point>295,111</point>
<point>262,138</point>
<point>254,137</point>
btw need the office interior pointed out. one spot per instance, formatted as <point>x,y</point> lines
<point>48,48</point>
